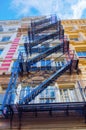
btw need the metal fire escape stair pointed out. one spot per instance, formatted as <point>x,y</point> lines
<point>38,27</point>
<point>41,87</point>
<point>40,22</point>
<point>57,74</point>
<point>48,26</point>
<point>44,38</point>
<point>42,55</point>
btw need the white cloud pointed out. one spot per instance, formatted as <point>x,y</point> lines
<point>78,9</point>
<point>24,7</point>
<point>64,8</point>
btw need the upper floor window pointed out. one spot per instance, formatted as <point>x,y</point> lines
<point>1,50</point>
<point>11,29</point>
<point>1,99</point>
<point>75,39</point>
<point>1,28</point>
<point>5,39</point>
<point>34,49</point>
<point>21,49</point>
<point>81,53</point>
<point>40,49</point>
<point>25,38</point>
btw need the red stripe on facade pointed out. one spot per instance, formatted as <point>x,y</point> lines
<point>7,61</point>
<point>10,53</point>
<point>9,56</point>
<point>11,50</point>
<point>4,69</point>
<point>5,64</point>
<point>13,47</point>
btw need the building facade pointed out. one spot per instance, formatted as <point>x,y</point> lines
<point>66,88</point>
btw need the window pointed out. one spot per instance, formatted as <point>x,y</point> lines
<point>34,49</point>
<point>40,49</point>
<point>5,39</point>
<point>1,50</point>
<point>75,39</point>
<point>1,28</point>
<point>21,49</point>
<point>81,54</point>
<point>48,95</point>
<point>68,95</point>
<point>11,29</point>
<point>1,99</point>
<point>13,66</point>
<point>25,38</point>
<point>73,95</point>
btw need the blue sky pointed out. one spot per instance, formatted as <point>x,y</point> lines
<point>65,9</point>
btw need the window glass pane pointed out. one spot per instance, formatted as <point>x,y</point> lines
<point>72,38</point>
<point>14,66</point>
<point>34,49</point>
<point>11,29</point>
<point>48,95</point>
<point>66,96</point>
<point>84,53</point>
<point>52,93</point>
<point>5,39</point>
<point>40,49</point>
<point>73,95</point>
<point>25,38</point>
<point>76,39</point>
<point>81,54</point>
<point>1,28</point>
<point>1,99</point>
<point>1,50</point>
<point>21,49</point>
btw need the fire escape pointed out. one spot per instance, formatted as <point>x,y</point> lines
<point>38,34</point>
